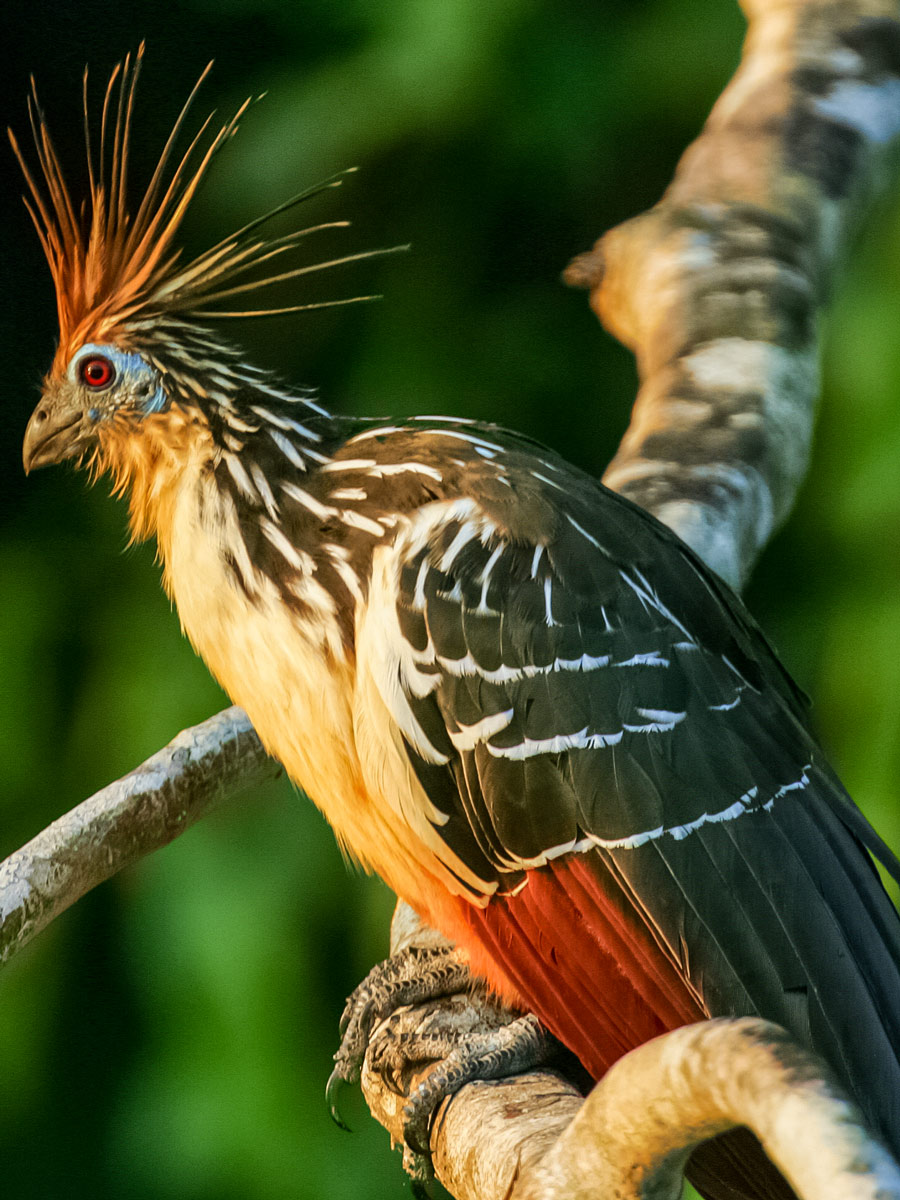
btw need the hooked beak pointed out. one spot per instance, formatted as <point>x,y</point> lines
<point>51,436</point>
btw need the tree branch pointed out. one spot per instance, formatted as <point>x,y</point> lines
<point>718,289</point>
<point>634,1133</point>
<point>127,820</point>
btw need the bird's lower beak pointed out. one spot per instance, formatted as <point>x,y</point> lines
<point>51,436</point>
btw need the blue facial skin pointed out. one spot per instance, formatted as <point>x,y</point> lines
<point>135,386</point>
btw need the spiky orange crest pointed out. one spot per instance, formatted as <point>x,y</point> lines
<point>113,267</point>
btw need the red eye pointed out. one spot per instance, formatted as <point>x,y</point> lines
<point>97,372</point>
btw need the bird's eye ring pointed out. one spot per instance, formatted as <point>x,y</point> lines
<point>97,372</point>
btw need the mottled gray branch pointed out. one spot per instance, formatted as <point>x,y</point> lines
<point>126,821</point>
<point>633,1134</point>
<point>719,288</point>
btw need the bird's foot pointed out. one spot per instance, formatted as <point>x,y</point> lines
<point>460,1058</point>
<point>464,1042</point>
<point>412,976</point>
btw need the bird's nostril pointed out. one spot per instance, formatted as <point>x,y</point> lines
<point>41,415</point>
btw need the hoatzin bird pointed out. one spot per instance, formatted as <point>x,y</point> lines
<point>516,696</point>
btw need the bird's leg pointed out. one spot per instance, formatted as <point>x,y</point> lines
<point>504,1043</point>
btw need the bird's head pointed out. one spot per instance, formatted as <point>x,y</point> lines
<point>139,349</point>
<point>101,387</point>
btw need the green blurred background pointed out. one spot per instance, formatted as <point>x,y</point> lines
<point>170,1036</point>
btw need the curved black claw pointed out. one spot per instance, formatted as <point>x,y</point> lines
<point>333,1087</point>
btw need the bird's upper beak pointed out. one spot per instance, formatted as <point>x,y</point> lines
<point>52,435</point>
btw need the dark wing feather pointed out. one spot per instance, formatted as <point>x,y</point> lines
<point>607,701</point>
